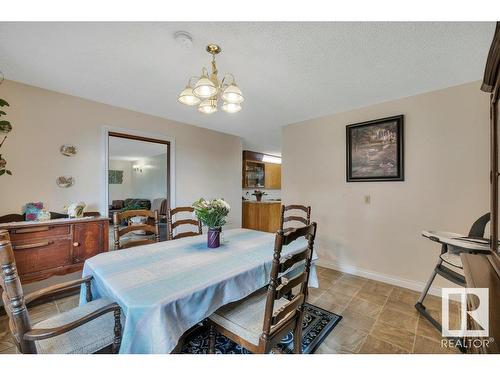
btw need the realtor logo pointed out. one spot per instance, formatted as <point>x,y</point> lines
<point>479,316</point>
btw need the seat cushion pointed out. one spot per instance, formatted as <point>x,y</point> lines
<point>88,338</point>
<point>245,318</point>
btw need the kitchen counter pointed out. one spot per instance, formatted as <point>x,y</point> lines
<point>263,202</point>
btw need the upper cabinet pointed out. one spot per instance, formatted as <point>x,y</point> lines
<point>261,171</point>
<point>272,176</point>
<point>253,174</point>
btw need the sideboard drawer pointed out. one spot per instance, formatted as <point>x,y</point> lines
<point>30,233</point>
<point>43,254</point>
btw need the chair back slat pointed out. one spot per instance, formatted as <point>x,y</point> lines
<point>295,218</point>
<point>277,289</point>
<point>295,234</point>
<point>179,209</point>
<point>287,309</point>
<point>304,220</point>
<point>154,228</point>
<point>297,207</point>
<point>134,213</point>
<point>132,228</point>
<point>173,224</point>
<point>284,288</point>
<point>185,222</point>
<point>13,299</point>
<point>293,259</point>
<point>185,234</point>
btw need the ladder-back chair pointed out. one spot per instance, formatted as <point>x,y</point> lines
<point>260,321</point>
<point>304,220</point>
<point>172,223</point>
<point>151,227</point>
<point>90,328</point>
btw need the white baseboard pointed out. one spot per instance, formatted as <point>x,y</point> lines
<point>353,270</point>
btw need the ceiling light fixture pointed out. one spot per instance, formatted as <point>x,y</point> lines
<point>207,90</point>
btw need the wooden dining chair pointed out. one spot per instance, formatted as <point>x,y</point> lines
<point>174,224</point>
<point>90,328</point>
<point>304,220</point>
<point>261,320</point>
<point>151,227</point>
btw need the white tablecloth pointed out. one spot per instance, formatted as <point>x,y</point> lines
<point>168,287</point>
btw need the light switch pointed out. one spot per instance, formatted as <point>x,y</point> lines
<point>368,199</point>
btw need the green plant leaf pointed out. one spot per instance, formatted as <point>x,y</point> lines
<point>4,123</point>
<point>2,172</point>
<point>8,172</point>
<point>3,103</point>
<point>2,113</point>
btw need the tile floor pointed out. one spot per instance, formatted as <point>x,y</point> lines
<point>377,317</point>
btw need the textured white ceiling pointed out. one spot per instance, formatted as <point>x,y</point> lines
<point>131,150</point>
<point>288,72</point>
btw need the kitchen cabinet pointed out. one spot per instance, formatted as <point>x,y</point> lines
<point>272,176</point>
<point>258,174</point>
<point>262,216</point>
<point>253,174</point>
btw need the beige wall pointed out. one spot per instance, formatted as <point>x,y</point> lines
<point>446,186</point>
<point>208,163</point>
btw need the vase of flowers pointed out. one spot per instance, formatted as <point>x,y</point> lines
<point>212,214</point>
<point>259,194</point>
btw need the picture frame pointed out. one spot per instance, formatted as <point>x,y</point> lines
<point>115,177</point>
<point>375,150</point>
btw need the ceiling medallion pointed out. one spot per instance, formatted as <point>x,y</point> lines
<point>207,92</point>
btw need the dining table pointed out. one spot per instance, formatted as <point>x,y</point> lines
<point>168,287</point>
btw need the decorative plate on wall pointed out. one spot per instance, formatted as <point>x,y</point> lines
<point>68,150</point>
<point>65,181</point>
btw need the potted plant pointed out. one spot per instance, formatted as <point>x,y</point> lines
<point>5,128</point>
<point>259,194</point>
<point>213,215</point>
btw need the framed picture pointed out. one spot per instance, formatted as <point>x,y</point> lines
<point>375,150</point>
<point>115,177</point>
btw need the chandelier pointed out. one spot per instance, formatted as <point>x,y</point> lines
<point>207,92</point>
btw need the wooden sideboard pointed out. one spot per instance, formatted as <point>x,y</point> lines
<point>264,216</point>
<point>56,247</point>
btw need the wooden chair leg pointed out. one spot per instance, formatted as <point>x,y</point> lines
<point>117,331</point>
<point>297,336</point>
<point>211,338</point>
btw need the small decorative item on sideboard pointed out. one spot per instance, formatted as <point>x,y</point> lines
<point>75,210</point>
<point>212,214</point>
<point>259,194</point>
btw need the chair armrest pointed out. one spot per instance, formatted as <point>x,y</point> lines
<point>56,288</point>
<point>46,333</point>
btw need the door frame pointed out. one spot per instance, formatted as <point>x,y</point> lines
<point>138,135</point>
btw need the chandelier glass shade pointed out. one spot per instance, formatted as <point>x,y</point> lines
<point>208,106</point>
<point>207,91</point>
<point>187,97</point>
<point>231,107</point>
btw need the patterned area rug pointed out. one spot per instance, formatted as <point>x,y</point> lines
<point>317,324</point>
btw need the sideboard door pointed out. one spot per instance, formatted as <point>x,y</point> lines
<point>88,240</point>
